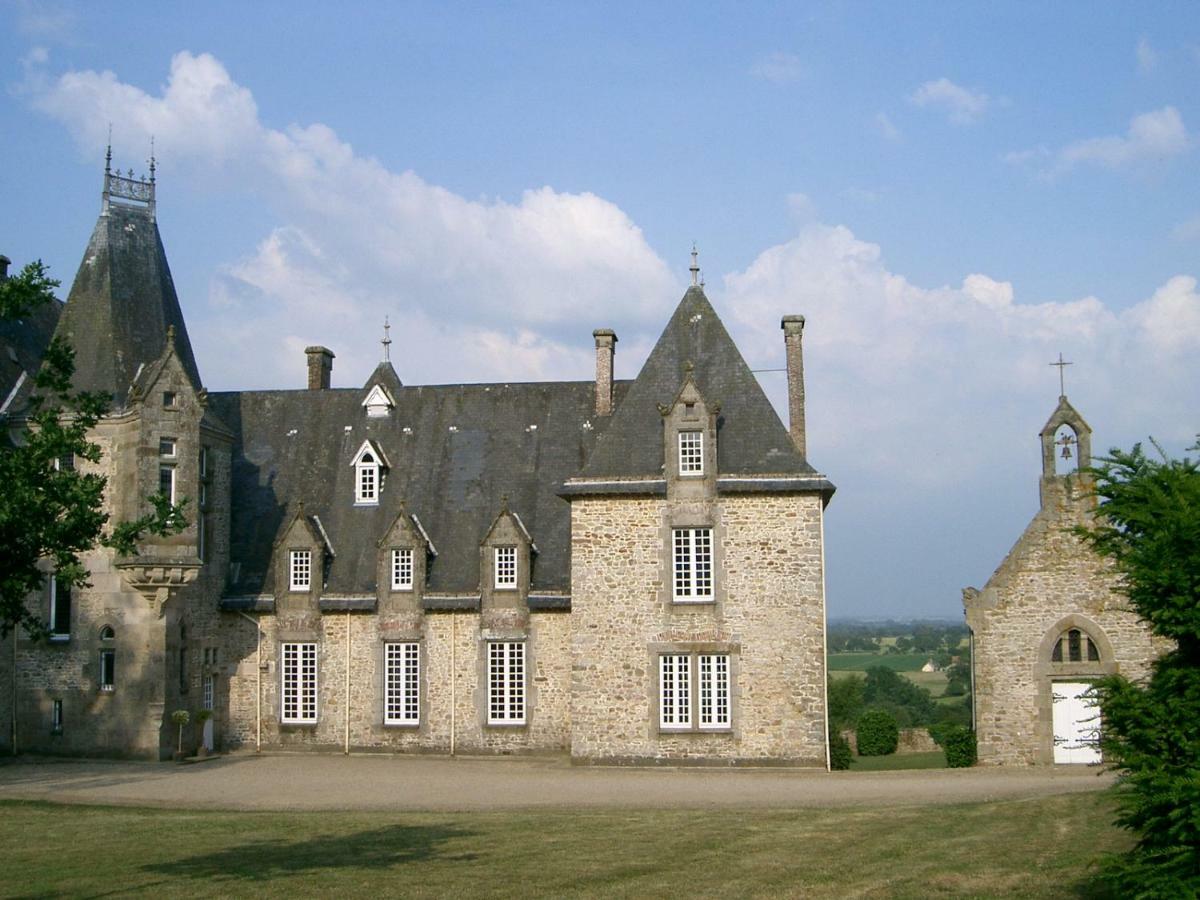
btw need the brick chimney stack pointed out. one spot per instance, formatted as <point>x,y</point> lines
<point>320,367</point>
<point>793,333</point>
<point>606,344</point>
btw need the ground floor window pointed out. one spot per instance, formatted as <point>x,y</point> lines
<point>56,717</point>
<point>694,691</point>
<point>402,690</point>
<point>108,670</point>
<point>299,687</point>
<point>506,683</point>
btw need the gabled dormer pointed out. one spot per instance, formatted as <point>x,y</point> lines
<point>381,391</point>
<point>505,560</point>
<point>690,442</point>
<point>370,469</point>
<point>302,556</point>
<point>405,552</point>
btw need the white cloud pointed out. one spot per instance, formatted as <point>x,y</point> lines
<point>961,104</point>
<point>780,68</point>
<point>1151,136</point>
<point>1147,56</point>
<point>1187,230</point>
<point>358,240</point>
<point>45,21</point>
<point>801,207</point>
<point>886,127</point>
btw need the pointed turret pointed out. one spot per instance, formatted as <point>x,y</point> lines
<point>123,299</point>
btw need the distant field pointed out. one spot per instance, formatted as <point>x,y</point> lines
<point>899,662</point>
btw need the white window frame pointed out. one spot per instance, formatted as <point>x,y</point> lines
<point>108,679</point>
<point>506,682</point>
<point>691,454</point>
<point>56,716</point>
<point>695,691</point>
<point>366,480</point>
<point>402,569</point>
<point>402,683</point>
<point>506,568</point>
<point>168,448</point>
<point>299,570</point>
<point>169,470</point>
<point>53,617</point>
<point>692,565</point>
<point>298,683</point>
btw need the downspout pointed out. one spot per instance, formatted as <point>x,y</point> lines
<point>825,642</point>
<point>258,682</point>
<point>971,669</point>
<point>453,676</point>
<point>14,693</point>
<point>347,747</point>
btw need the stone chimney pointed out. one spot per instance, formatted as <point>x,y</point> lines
<point>606,343</point>
<point>5,262</point>
<point>320,367</point>
<point>793,333</point>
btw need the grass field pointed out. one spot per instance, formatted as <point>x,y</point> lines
<point>900,662</point>
<point>1042,848</point>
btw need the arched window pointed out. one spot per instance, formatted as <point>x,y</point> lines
<point>1075,645</point>
<point>369,464</point>
<point>107,633</point>
<point>1066,450</point>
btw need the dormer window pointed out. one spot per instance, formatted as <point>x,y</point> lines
<point>378,402</point>
<point>368,463</point>
<point>691,452</point>
<point>506,568</point>
<point>402,569</point>
<point>300,570</point>
<point>170,400</point>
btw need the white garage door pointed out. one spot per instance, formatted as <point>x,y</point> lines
<point>1076,723</point>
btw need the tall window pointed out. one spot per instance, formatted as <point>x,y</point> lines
<point>60,610</point>
<point>402,569</point>
<point>506,567</point>
<point>694,691</point>
<point>402,690</point>
<point>108,659</point>
<point>693,565</point>
<point>367,481</point>
<point>299,687</point>
<point>506,683</point>
<point>300,570</point>
<point>691,453</point>
<point>56,717</point>
<point>167,450</point>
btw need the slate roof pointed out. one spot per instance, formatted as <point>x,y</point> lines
<point>22,343</point>
<point>121,304</point>
<point>750,438</point>
<point>455,451</point>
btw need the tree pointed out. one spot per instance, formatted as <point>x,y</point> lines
<point>1149,526</point>
<point>845,698</point>
<point>49,509</point>
<point>877,733</point>
<point>910,703</point>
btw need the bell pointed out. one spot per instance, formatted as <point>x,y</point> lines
<point>1066,454</point>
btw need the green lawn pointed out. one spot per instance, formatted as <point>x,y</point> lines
<point>900,662</point>
<point>934,759</point>
<point>1042,848</point>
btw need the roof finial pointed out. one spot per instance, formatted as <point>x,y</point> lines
<point>171,335</point>
<point>387,340</point>
<point>1062,390</point>
<point>694,268</point>
<point>152,159</point>
<point>108,153</point>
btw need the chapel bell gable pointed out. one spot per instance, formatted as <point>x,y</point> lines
<point>505,560</point>
<point>690,441</point>
<point>1066,441</point>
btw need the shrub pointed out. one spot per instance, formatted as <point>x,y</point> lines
<point>840,756</point>
<point>878,734</point>
<point>958,742</point>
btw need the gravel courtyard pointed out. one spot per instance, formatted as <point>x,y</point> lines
<point>372,782</point>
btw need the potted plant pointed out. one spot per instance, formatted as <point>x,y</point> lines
<point>180,717</point>
<point>202,716</point>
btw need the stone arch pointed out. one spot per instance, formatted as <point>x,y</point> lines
<point>1065,414</point>
<point>1046,672</point>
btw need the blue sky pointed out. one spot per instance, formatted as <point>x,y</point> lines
<point>950,193</point>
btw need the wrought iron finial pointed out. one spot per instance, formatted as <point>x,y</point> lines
<point>1062,390</point>
<point>152,159</point>
<point>387,339</point>
<point>108,153</point>
<point>694,268</point>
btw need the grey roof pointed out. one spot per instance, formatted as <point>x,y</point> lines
<point>455,452</point>
<point>121,304</point>
<point>22,343</point>
<point>750,438</point>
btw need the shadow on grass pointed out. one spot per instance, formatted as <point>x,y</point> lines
<point>266,859</point>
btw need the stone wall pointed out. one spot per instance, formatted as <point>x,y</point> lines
<point>453,686</point>
<point>768,616</point>
<point>1048,582</point>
